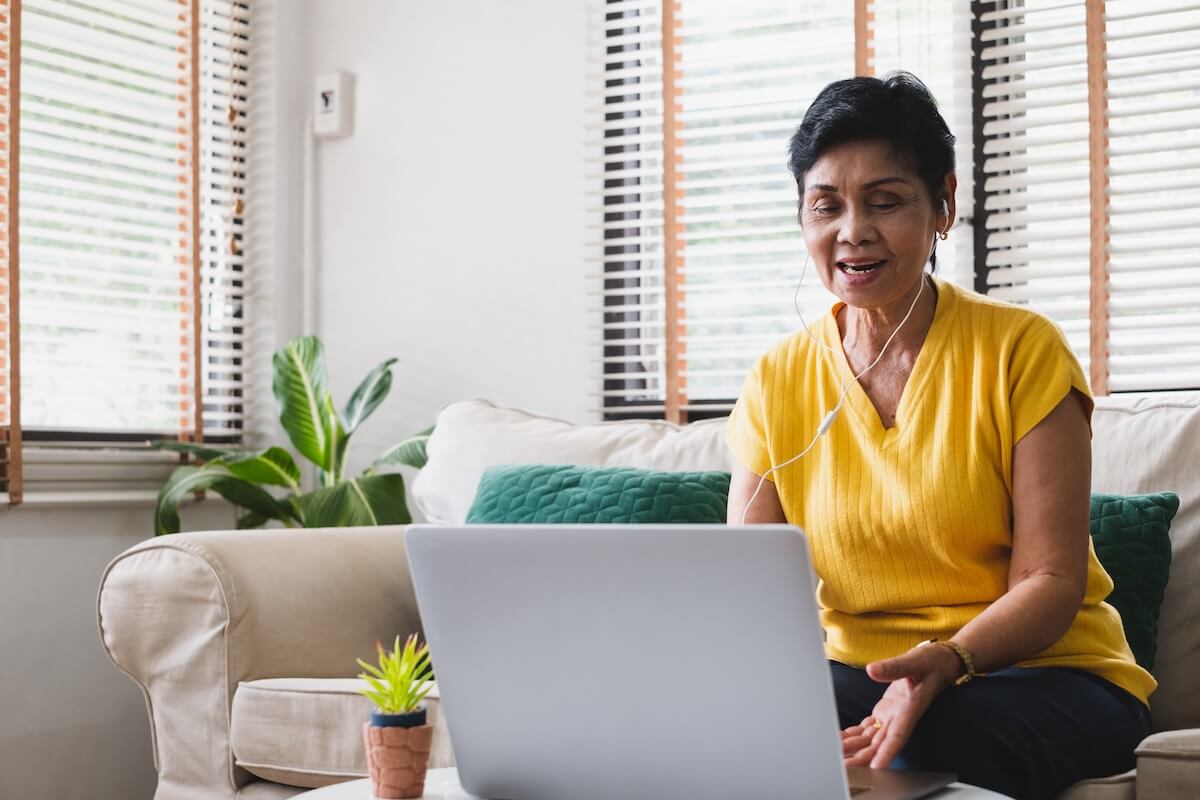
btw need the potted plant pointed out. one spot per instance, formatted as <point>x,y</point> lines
<point>251,479</point>
<point>398,736</point>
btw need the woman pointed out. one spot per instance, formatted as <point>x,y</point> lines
<point>947,504</point>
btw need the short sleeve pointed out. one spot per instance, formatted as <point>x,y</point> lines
<point>1042,370</point>
<point>746,432</point>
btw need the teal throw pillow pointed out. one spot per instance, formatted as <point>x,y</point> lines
<point>1130,534</point>
<point>556,494</point>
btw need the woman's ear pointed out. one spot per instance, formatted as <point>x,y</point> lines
<point>949,208</point>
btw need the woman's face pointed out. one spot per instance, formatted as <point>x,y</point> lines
<point>869,223</point>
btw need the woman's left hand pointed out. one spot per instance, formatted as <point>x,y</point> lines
<point>916,678</point>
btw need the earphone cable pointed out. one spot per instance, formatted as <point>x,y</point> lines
<point>828,419</point>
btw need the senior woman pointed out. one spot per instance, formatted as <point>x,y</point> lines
<point>946,505</point>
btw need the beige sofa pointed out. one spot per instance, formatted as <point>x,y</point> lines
<point>244,642</point>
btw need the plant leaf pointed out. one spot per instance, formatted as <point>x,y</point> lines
<point>253,498</point>
<point>369,394</point>
<point>338,441</point>
<point>410,451</point>
<point>250,520</point>
<point>187,479</point>
<point>204,452</point>
<point>274,466</point>
<point>377,500</point>
<point>300,389</point>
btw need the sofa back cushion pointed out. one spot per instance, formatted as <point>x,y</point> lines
<point>1152,444</point>
<point>561,495</point>
<point>473,435</point>
<point>1140,445</point>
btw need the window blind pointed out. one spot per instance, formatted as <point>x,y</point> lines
<point>1035,158</point>
<point>1091,215</point>
<point>741,80</point>
<point>132,176</point>
<point>1153,99</point>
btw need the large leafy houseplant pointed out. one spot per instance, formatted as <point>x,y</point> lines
<point>320,433</point>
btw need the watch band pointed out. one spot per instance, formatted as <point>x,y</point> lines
<point>964,655</point>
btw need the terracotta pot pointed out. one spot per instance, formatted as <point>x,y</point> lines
<point>398,754</point>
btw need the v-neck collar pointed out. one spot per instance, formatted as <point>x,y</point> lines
<point>914,387</point>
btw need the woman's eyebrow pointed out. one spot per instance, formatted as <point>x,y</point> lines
<point>882,181</point>
<point>825,187</point>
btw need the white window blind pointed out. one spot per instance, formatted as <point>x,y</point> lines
<point>1145,333</point>
<point>744,76</point>
<point>1035,157</point>
<point>130,294</point>
<point>1153,97</point>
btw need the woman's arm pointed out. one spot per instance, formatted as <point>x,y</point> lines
<point>766,508</point>
<point>1052,470</point>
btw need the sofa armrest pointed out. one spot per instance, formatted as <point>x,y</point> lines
<point>1168,765</point>
<point>189,616</point>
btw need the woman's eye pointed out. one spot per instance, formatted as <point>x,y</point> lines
<point>884,206</point>
<point>825,209</point>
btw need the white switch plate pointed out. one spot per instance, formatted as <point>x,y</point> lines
<point>333,105</point>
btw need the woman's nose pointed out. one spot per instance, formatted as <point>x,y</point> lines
<point>856,228</point>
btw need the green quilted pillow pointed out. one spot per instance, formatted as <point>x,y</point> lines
<point>545,493</point>
<point>1130,534</point>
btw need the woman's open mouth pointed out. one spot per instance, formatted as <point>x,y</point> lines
<point>859,266</point>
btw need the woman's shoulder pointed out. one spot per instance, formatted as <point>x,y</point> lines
<point>1003,319</point>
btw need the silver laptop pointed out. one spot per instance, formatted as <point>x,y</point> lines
<point>636,661</point>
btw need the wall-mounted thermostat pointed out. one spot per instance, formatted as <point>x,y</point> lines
<point>333,105</point>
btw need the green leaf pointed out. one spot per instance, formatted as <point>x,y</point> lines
<point>204,452</point>
<point>185,480</point>
<point>338,441</point>
<point>300,390</point>
<point>250,520</point>
<point>410,451</point>
<point>253,498</point>
<point>369,394</point>
<point>273,466</point>
<point>377,500</point>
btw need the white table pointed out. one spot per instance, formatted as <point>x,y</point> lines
<point>442,784</point>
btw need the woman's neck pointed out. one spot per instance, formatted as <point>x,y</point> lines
<point>867,329</point>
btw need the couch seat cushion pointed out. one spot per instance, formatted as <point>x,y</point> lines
<point>1115,787</point>
<point>308,731</point>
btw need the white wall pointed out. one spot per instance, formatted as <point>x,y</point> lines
<point>71,726</point>
<point>452,222</point>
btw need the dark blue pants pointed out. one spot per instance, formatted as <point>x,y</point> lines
<point>1027,733</point>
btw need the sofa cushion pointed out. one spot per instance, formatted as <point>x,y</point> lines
<point>473,435</point>
<point>1115,787</point>
<point>1132,541</point>
<point>1150,444</point>
<point>308,731</point>
<point>544,493</point>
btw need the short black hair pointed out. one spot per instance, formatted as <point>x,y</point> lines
<point>897,109</point>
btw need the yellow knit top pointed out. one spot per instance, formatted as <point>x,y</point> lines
<point>910,527</point>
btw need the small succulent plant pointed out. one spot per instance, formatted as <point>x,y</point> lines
<point>401,680</point>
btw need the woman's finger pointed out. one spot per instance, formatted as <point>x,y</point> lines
<point>890,745</point>
<point>872,740</point>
